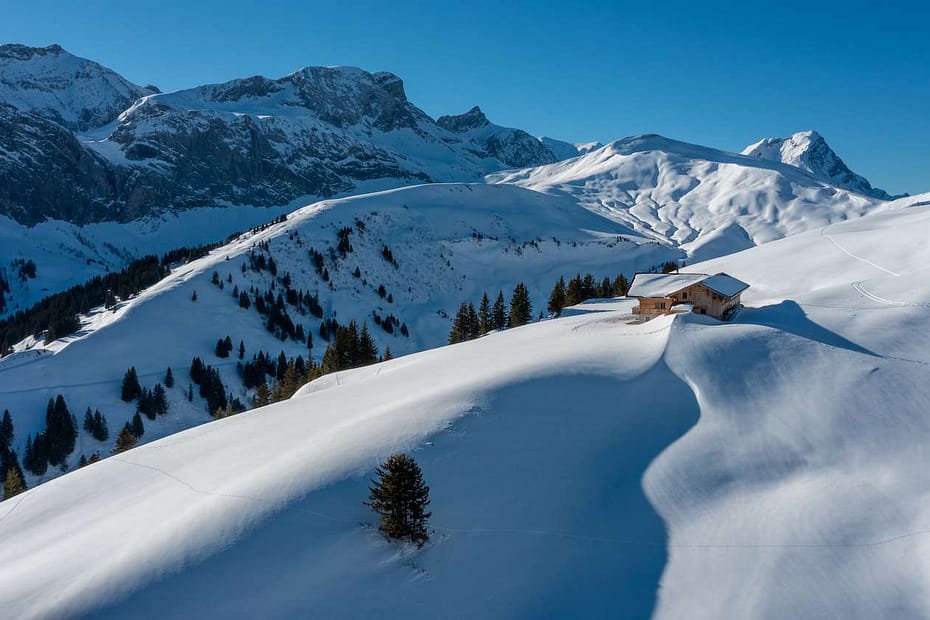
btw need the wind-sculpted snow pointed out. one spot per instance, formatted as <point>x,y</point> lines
<point>784,452</point>
<point>706,201</point>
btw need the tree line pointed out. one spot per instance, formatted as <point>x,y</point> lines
<point>57,315</point>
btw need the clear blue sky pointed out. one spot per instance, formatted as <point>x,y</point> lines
<point>721,74</point>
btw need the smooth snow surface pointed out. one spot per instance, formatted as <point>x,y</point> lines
<point>785,453</point>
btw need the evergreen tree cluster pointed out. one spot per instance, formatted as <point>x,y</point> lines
<point>389,323</point>
<point>344,246</point>
<point>131,389</point>
<point>388,255</point>
<point>25,268</point>
<point>11,474</point>
<point>400,497</point>
<point>224,347</point>
<point>580,289</point>
<point>351,347</point>
<point>53,445</point>
<point>153,403</point>
<point>96,424</point>
<point>211,386</point>
<point>470,323</point>
<point>57,314</point>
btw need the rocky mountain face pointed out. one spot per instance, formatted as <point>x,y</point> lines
<point>808,151</point>
<point>83,144</point>
<point>513,147</point>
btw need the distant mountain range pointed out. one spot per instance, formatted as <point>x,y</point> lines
<point>80,143</point>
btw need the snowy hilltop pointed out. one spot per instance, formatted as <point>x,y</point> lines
<point>585,466</point>
<point>706,201</point>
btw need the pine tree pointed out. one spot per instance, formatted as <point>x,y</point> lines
<point>160,400</point>
<point>60,431</point>
<point>13,484</point>
<point>131,389</point>
<point>521,311</point>
<point>484,315</point>
<point>169,379</point>
<point>499,312</point>
<point>241,351</point>
<point>6,431</point>
<point>621,285</point>
<point>400,497</point>
<point>135,426</point>
<point>368,351</point>
<point>125,440</point>
<point>190,392</point>
<point>557,297</point>
<point>387,354</point>
<point>194,296</point>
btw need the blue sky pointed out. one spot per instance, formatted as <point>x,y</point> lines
<point>721,74</point>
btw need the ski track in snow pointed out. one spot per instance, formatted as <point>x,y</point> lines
<point>823,233</point>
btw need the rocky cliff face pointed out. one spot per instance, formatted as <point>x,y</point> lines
<point>514,147</point>
<point>83,144</point>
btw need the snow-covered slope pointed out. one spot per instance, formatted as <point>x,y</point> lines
<point>72,91</point>
<point>808,151</point>
<point>450,243</point>
<point>783,453</point>
<point>708,202</point>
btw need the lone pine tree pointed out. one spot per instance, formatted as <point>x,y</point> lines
<point>400,497</point>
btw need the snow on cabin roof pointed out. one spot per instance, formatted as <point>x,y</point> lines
<point>664,284</point>
<point>725,284</point>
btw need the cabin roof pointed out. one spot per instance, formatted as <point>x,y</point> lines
<point>665,284</point>
<point>725,284</point>
<point>662,284</point>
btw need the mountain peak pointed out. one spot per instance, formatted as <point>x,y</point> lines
<point>458,123</point>
<point>25,52</point>
<point>74,92</point>
<point>809,151</point>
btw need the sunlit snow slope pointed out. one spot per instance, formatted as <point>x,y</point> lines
<point>450,243</point>
<point>708,202</point>
<point>785,454</point>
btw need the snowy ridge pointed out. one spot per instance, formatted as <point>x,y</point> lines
<point>782,452</point>
<point>706,201</point>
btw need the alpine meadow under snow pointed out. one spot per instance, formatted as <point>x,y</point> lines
<point>583,462</point>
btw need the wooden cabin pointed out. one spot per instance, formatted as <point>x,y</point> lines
<point>715,295</point>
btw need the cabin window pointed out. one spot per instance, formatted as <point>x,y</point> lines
<point>684,295</point>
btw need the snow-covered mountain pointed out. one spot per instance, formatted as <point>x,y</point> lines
<point>768,467</point>
<point>318,132</point>
<point>447,243</point>
<point>74,92</point>
<point>808,151</point>
<point>706,201</point>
